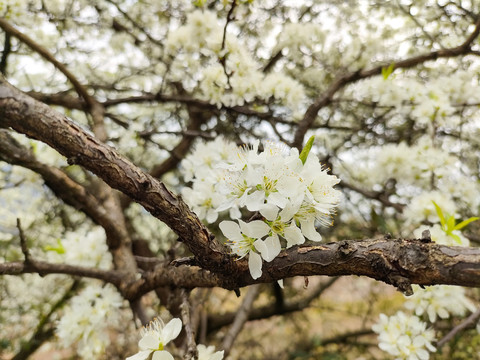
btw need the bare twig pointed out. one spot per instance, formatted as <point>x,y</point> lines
<point>467,323</point>
<point>191,352</point>
<point>240,319</point>
<point>23,243</point>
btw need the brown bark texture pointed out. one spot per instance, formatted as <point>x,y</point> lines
<point>400,262</point>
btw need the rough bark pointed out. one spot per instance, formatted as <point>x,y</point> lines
<point>398,262</point>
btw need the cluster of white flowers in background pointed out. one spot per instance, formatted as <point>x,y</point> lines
<point>439,301</point>
<point>225,76</point>
<point>288,194</point>
<point>87,319</point>
<point>425,100</point>
<point>404,337</point>
<point>423,172</point>
<point>156,335</point>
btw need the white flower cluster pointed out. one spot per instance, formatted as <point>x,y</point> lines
<point>421,207</point>
<point>440,300</point>
<point>423,100</point>
<point>228,76</point>
<point>405,337</point>
<point>87,247</point>
<point>287,194</point>
<point>156,335</point>
<point>407,164</point>
<point>87,320</point>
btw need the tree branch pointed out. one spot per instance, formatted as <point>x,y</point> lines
<point>240,318</point>
<point>398,262</point>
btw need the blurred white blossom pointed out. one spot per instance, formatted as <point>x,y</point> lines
<point>404,337</point>
<point>439,301</point>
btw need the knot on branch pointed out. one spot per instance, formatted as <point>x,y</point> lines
<point>401,283</point>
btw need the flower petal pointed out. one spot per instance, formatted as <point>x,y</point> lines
<point>231,230</point>
<point>162,355</point>
<point>255,264</point>
<point>149,342</point>
<point>217,356</point>
<point>171,330</point>
<point>269,211</point>
<point>293,235</point>
<point>308,229</point>
<point>269,248</point>
<point>141,355</point>
<point>254,229</point>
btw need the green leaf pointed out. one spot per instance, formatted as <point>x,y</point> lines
<point>199,3</point>
<point>306,149</point>
<point>59,249</point>
<point>450,224</point>
<point>387,71</point>
<point>456,238</point>
<point>440,214</point>
<point>464,223</point>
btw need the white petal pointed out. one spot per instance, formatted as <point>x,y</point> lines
<point>293,235</point>
<point>217,356</point>
<point>280,283</point>
<point>162,355</point>
<point>212,216</point>
<point>235,213</point>
<point>149,341</point>
<point>308,229</point>
<point>290,209</point>
<point>269,248</point>
<point>255,201</point>
<point>278,199</point>
<point>141,355</point>
<point>269,211</point>
<point>231,230</point>
<point>171,330</point>
<point>254,229</point>
<point>255,264</point>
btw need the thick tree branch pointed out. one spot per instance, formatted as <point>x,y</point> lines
<point>38,121</point>
<point>398,262</point>
<point>63,186</point>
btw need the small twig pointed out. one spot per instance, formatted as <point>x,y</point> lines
<point>229,19</point>
<point>192,352</point>
<point>23,243</point>
<point>240,319</point>
<point>139,311</point>
<point>470,321</point>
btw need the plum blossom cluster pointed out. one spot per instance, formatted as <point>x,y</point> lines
<point>439,302</point>
<point>287,195</point>
<point>226,74</point>
<point>87,319</point>
<point>156,335</point>
<point>404,336</point>
<point>424,100</point>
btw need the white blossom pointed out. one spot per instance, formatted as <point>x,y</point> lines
<point>404,337</point>
<point>87,318</point>
<point>439,301</point>
<point>208,353</point>
<point>155,336</point>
